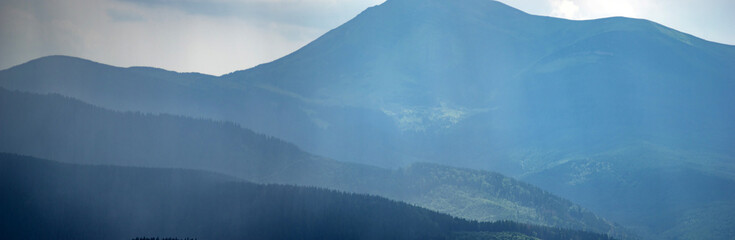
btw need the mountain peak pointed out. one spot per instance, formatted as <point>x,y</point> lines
<point>58,60</point>
<point>458,7</point>
<point>404,46</point>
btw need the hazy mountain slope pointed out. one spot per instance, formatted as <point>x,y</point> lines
<point>426,80</point>
<point>660,196</point>
<point>112,86</point>
<point>562,102</point>
<point>434,65</point>
<point>68,130</point>
<point>481,85</point>
<point>405,53</point>
<point>50,200</point>
<point>630,85</point>
<point>152,90</point>
<point>60,128</point>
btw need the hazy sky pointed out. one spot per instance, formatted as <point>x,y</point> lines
<point>221,36</point>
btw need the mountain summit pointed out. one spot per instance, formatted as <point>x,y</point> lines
<point>423,53</point>
<point>406,52</point>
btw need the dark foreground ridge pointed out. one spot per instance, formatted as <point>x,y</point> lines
<point>49,200</point>
<point>165,238</point>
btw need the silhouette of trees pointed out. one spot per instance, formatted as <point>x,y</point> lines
<point>165,238</point>
<point>61,201</point>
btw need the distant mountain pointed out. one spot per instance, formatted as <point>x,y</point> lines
<point>567,105</point>
<point>55,127</point>
<point>111,86</point>
<point>153,90</point>
<point>470,82</point>
<point>159,91</point>
<point>49,200</point>
<point>668,199</point>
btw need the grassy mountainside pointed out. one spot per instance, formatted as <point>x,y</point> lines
<point>682,196</point>
<point>60,128</point>
<point>42,199</point>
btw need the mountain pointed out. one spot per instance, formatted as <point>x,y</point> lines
<point>42,199</point>
<point>153,90</point>
<point>55,127</point>
<point>487,81</point>
<point>111,85</point>
<point>669,198</point>
<point>567,105</point>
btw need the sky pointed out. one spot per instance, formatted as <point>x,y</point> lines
<point>221,36</point>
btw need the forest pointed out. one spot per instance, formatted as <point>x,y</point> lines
<point>43,199</point>
<point>38,125</point>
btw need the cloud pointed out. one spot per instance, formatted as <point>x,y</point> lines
<point>564,9</point>
<point>312,13</point>
<point>708,19</point>
<point>591,9</point>
<point>124,16</point>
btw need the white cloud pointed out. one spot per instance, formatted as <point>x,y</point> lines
<point>591,9</point>
<point>564,9</point>
<point>708,19</point>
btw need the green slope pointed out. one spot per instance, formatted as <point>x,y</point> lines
<point>67,130</point>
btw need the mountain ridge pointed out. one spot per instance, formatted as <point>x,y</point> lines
<point>535,97</point>
<point>52,200</point>
<point>64,129</point>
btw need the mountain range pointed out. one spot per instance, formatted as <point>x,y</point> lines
<point>55,127</point>
<point>627,117</point>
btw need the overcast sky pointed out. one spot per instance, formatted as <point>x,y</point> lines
<point>221,36</point>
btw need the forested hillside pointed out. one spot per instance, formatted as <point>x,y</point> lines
<point>42,199</point>
<point>67,130</point>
